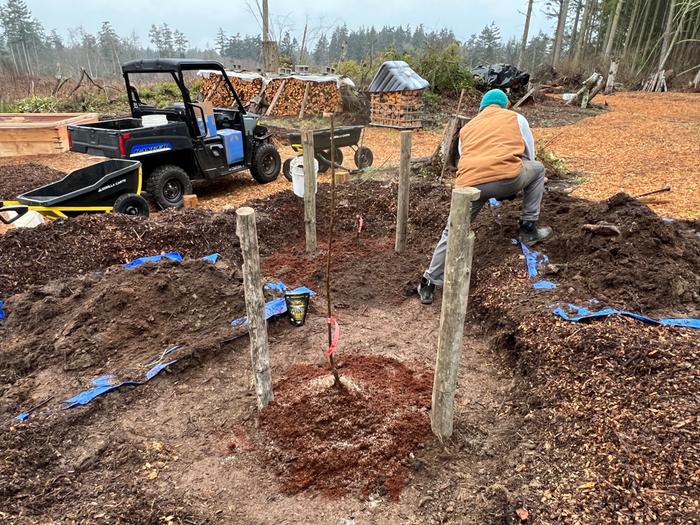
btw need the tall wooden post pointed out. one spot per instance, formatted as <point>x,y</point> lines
<point>455,295</point>
<point>307,143</point>
<point>404,184</point>
<point>255,305</point>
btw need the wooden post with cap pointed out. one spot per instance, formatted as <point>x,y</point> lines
<point>307,144</point>
<point>247,232</point>
<point>404,187</point>
<point>455,295</point>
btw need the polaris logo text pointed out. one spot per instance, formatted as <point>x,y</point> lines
<point>147,149</point>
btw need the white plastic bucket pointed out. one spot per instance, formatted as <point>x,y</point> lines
<point>149,121</point>
<point>297,170</point>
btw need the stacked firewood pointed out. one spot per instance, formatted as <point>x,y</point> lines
<point>397,109</point>
<point>287,96</point>
<point>314,97</point>
<point>215,91</point>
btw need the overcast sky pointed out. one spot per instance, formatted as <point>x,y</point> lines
<point>200,20</point>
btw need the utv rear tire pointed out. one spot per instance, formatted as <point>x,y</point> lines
<point>168,186</point>
<point>287,169</point>
<point>132,204</point>
<point>266,164</point>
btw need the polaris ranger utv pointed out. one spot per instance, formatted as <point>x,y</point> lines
<point>178,143</point>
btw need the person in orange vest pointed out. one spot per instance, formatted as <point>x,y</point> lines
<point>497,156</point>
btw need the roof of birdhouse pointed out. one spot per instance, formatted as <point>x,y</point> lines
<point>396,75</point>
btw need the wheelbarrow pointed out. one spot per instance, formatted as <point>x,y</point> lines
<point>112,186</point>
<point>345,137</point>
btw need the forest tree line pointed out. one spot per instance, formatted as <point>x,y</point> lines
<point>645,35</point>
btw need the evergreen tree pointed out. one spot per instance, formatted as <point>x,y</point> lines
<point>221,42</point>
<point>154,37</point>
<point>321,50</point>
<point>166,38</point>
<point>181,43</point>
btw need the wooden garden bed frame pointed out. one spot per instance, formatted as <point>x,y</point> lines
<point>38,133</point>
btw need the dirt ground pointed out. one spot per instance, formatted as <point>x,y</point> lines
<point>578,423</point>
<point>647,141</point>
<point>560,418</point>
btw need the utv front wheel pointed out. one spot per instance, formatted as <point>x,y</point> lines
<point>266,164</point>
<point>168,185</point>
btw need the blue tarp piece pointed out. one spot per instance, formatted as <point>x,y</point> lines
<point>667,219</point>
<point>108,383</point>
<point>571,312</point>
<point>494,203</point>
<point>2,312</point>
<point>22,417</point>
<point>211,258</point>
<point>274,307</point>
<point>173,256</point>
<point>534,260</point>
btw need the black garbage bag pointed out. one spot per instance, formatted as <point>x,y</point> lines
<point>502,76</point>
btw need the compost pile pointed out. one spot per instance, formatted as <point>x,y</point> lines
<point>118,321</point>
<point>18,179</point>
<point>612,400</point>
<point>652,267</point>
<point>354,438</point>
<point>92,242</point>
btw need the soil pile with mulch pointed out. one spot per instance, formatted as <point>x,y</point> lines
<point>21,178</point>
<point>652,266</point>
<point>88,243</point>
<point>356,438</point>
<point>613,401</point>
<point>118,322</point>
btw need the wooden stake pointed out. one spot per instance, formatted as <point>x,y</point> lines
<point>460,248</point>
<point>307,143</point>
<point>404,185</point>
<point>275,99</point>
<point>255,305</point>
<point>334,370</point>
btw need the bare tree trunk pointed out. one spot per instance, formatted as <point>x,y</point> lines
<point>667,35</point>
<point>581,43</point>
<point>561,25</point>
<point>523,42</point>
<point>640,33</point>
<point>574,31</point>
<point>672,43</point>
<point>303,44</point>
<point>631,27</point>
<point>613,29</point>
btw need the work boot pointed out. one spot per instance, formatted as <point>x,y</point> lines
<point>531,234</point>
<point>426,290</point>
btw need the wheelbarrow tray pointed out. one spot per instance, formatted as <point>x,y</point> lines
<point>97,186</point>
<point>344,136</point>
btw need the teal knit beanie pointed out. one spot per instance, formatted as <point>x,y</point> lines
<point>495,96</point>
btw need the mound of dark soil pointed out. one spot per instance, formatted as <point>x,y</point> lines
<point>652,267</point>
<point>88,243</point>
<point>354,438</point>
<point>18,179</point>
<point>117,322</point>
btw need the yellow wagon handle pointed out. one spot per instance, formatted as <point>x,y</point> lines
<point>12,206</point>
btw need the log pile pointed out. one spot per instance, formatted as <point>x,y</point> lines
<point>283,96</point>
<point>397,109</point>
<point>314,97</point>
<point>215,92</point>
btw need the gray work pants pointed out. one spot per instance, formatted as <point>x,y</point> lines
<point>530,181</point>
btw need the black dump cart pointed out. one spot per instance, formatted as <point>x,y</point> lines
<point>345,137</point>
<point>106,187</point>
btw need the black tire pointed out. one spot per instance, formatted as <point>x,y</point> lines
<point>266,164</point>
<point>168,186</point>
<point>287,169</point>
<point>364,157</point>
<point>324,165</point>
<point>132,204</point>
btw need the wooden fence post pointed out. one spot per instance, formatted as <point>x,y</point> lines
<point>404,184</point>
<point>255,305</point>
<point>455,295</point>
<point>307,143</point>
